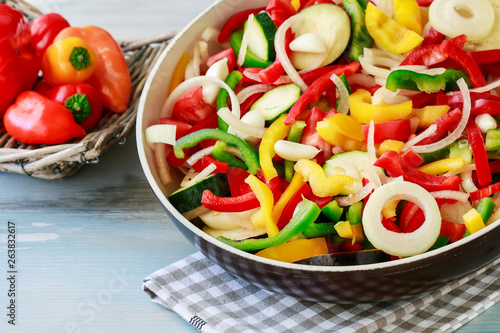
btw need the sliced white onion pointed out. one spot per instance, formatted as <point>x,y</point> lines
<point>467,182</point>
<point>161,133</point>
<point>372,69</point>
<point>227,221</point>
<point>343,94</point>
<point>195,82</point>
<point>454,195</point>
<point>189,72</point>
<point>465,168</point>
<point>488,87</point>
<point>203,51</point>
<point>293,151</point>
<point>401,244</point>
<point>235,234</point>
<point>244,41</point>
<point>376,52</point>
<point>161,151</point>
<point>485,122</point>
<point>198,177</point>
<point>199,155</point>
<point>309,42</point>
<point>196,60</point>
<point>423,135</point>
<point>370,143</point>
<point>220,71</point>
<point>210,34</point>
<point>390,97</point>
<point>454,212</point>
<point>239,125</point>
<point>361,80</point>
<point>453,136</point>
<point>353,198</point>
<point>337,150</point>
<point>254,118</point>
<point>279,45</point>
<point>252,90</point>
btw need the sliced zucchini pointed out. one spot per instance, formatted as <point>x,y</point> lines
<point>261,38</point>
<point>331,23</point>
<point>277,101</point>
<point>251,59</point>
<point>189,198</point>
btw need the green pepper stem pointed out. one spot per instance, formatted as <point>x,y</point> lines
<point>80,107</point>
<point>79,58</point>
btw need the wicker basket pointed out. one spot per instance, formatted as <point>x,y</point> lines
<point>58,161</point>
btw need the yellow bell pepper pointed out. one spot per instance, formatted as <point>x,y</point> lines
<point>388,33</point>
<point>363,111</point>
<point>390,145</point>
<point>296,4</point>
<point>68,60</point>
<point>293,187</point>
<point>321,185</point>
<point>342,131</point>
<point>441,166</point>
<point>295,250</point>
<point>263,217</point>
<point>473,221</point>
<point>429,114</point>
<point>343,229</point>
<point>407,13</point>
<point>277,131</point>
<point>390,209</point>
<point>179,72</point>
<point>358,236</point>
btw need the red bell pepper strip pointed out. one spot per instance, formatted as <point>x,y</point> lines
<point>480,102</point>
<point>423,99</point>
<point>350,247</point>
<point>205,161</point>
<point>485,192</point>
<point>408,211</point>
<point>287,213</point>
<point>493,69</point>
<point>280,10</point>
<point>234,22</point>
<point>454,231</point>
<point>486,57</point>
<point>412,158</point>
<point>191,108</point>
<point>82,99</point>
<point>465,61</point>
<point>236,179</point>
<point>427,55</point>
<point>390,225</point>
<point>35,119</point>
<point>228,54</point>
<point>389,130</point>
<point>320,201</point>
<point>432,37</point>
<point>272,73</point>
<point>479,153</point>
<point>445,123</point>
<point>182,128</point>
<point>19,63</point>
<point>316,89</point>
<point>424,3</point>
<point>44,29</point>
<point>310,135</point>
<point>395,166</point>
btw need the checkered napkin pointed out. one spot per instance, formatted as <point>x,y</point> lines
<point>212,300</point>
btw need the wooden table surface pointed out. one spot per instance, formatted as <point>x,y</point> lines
<point>85,243</point>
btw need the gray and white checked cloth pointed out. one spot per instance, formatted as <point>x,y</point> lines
<point>214,301</point>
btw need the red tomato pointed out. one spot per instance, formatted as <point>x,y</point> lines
<point>227,53</point>
<point>191,108</point>
<point>183,128</point>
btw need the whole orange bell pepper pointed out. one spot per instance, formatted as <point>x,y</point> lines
<point>111,75</point>
<point>70,60</point>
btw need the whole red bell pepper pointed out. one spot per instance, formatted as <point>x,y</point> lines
<point>395,166</point>
<point>82,99</point>
<point>44,29</point>
<point>19,63</point>
<point>35,119</point>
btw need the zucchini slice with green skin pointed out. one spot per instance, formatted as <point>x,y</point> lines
<point>327,21</point>
<point>261,38</point>
<point>277,101</point>
<point>251,59</point>
<point>189,198</point>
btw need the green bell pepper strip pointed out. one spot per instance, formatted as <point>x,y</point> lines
<point>307,213</point>
<point>294,135</point>
<point>232,80</point>
<point>485,208</point>
<point>317,230</point>
<point>224,156</point>
<point>410,80</point>
<point>333,211</point>
<point>354,213</point>
<point>360,38</point>
<point>249,156</point>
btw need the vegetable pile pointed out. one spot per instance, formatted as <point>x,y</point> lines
<point>308,128</point>
<point>83,72</point>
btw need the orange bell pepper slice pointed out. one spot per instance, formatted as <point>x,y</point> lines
<point>295,250</point>
<point>111,75</point>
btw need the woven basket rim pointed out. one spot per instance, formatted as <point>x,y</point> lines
<point>58,161</point>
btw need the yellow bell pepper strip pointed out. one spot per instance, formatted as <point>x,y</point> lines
<point>277,131</point>
<point>306,214</point>
<point>69,60</point>
<point>295,250</point>
<point>390,145</point>
<point>407,13</point>
<point>321,185</point>
<point>473,221</point>
<point>344,229</point>
<point>363,111</point>
<point>263,217</point>
<point>354,214</point>
<point>179,72</point>
<point>346,126</point>
<point>249,156</point>
<point>429,114</point>
<point>388,33</point>
<point>292,188</point>
<point>342,131</point>
<point>389,210</point>
<point>442,166</point>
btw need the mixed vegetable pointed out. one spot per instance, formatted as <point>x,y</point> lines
<point>83,72</point>
<point>319,127</point>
